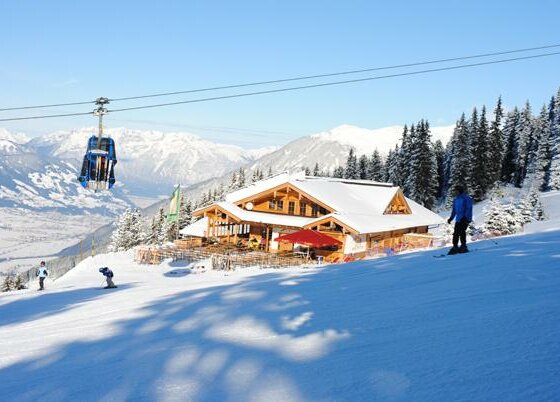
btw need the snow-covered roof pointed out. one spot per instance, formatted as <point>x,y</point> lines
<point>379,222</point>
<point>196,229</point>
<point>359,204</point>
<point>263,217</point>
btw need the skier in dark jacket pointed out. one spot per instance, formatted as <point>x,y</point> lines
<point>109,276</point>
<point>462,212</point>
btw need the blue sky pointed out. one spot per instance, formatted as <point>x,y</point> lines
<point>61,51</point>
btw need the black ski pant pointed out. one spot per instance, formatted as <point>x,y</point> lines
<point>460,232</point>
<point>41,283</point>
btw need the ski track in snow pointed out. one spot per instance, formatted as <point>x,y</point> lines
<point>480,326</point>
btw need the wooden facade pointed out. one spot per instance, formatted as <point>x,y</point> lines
<point>225,226</point>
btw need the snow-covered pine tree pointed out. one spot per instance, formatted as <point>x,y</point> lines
<point>137,233</point>
<point>375,168</point>
<point>511,137</point>
<point>439,155</point>
<point>525,210</point>
<point>479,154</point>
<point>316,169</point>
<point>502,219</point>
<point>472,125</point>
<point>402,156</point>
<point>185,213</point>
<point>422,180</point>
<point>525,135</point>
<point>269,173</point>
<point>392,166</point>
<point>255,176</point>
<point>8,283</point>
<point>351,170</point>
<point>554,119</point>
<point>234,182</point>
<point>241,177</point>
<point>306,170</point>
<point>407,159</point>
<point>363,167</point>
<point>495,145</point>
<point>459,158</point>
<point>120,231</point>
<point>544,151</point>
<point>18,283</point>
<point>338,172</point>
<point>537,208</point>
<point>158,229</point>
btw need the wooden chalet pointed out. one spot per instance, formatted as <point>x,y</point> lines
<point>365,216</point>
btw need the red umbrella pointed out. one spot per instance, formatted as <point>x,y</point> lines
<point>309,238</point>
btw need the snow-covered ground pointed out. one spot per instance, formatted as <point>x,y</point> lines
<point>479,326</point>
<point>27,236</point>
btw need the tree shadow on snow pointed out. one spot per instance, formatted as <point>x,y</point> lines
<point>380,329</point>
<point>47,303</point>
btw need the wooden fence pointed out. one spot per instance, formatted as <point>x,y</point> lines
<point>222,258</point>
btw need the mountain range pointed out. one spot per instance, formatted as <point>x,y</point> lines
<point>40,173</point>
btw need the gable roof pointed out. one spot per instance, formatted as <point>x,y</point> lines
<point>358,204</point>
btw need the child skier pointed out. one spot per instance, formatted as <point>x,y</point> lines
<point>42,273</point>
<point>109,276</point>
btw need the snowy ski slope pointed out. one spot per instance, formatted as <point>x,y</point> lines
<point>480,326</point>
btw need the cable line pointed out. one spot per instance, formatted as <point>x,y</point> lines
<point>308,77</point>
<point>47,116</point>
<point>46,106</point>
<point>334,83</point>
<point>325,84</point>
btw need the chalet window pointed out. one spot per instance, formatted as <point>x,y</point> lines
<point>323,211</point>
<point>280,205</point>
<point>291,208</point>
<point>314,210</point>
<point>272,204</point>
<point>302,208</point>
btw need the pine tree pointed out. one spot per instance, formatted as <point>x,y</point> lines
<point>495,145</point>
<point>307,171</point>
<point>510,130</point>
<point>269,174</point>
<point>8,284</point>
<point>233,184</point>
<point>351,170</point>
<point>405,156</point>
<point>185,215</point>
<point>554,119</point>
<point>525,139</point>
<point>421,183</point>
<point>375,167</point>
<point>392,172</point>
<point>502,219</point>
<point>439,154</point>
<point>18,283</point>
<point>241,179</point>
<point>255,176</point>
<point>479,153</point>
<point>459,158</point>
<point>338,172</point>
<point>544,151</point>
<point>363,167</point>
<point>316,170</point>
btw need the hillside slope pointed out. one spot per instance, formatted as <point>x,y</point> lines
<point>480,326</point>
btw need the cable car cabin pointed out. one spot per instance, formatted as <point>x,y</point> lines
<point>98,168</point>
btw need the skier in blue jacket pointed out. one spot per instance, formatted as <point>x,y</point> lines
<point>108,276</point>
<point>462,212</point>
<point>42,273</point>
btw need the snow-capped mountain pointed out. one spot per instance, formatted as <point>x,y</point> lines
<point>330,148</point>
<point>40,173</point>
<point>150,162</point>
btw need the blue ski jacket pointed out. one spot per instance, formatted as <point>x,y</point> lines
<point>106,271</point>
<point>462,208</point>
